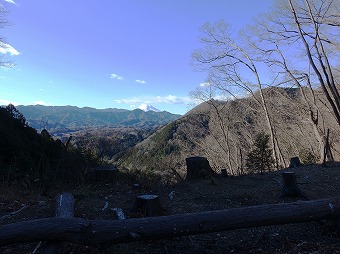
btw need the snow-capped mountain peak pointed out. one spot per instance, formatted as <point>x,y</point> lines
<point>145,107</point>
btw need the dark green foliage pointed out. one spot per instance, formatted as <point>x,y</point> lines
<point>166,133</point>
<point>33,159</point>
<point>163,139</point>
<point>307,157</point>
<point>260,158</point>
<point>101,146</point>
<point>14,113</point>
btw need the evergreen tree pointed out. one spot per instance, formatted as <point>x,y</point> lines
<point>260,158</point>
<point>14,113</point>
<point>33,159</point>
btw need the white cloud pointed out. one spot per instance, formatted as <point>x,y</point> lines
<point>6,102</point>
<point>6,48</point>
<point>169,99</point>
<point>10,1</point>
<point>141,81</point>
<point>205,84</point>
<point>115,76</point>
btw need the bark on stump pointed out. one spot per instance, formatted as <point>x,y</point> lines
<point>148,205</point>
<point>290,186</point>
<point>198,167</point>
<point>295,162</point>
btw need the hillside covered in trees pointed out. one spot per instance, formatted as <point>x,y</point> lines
<point>29,159</point>
<point>59,120</point>
<point>225,133</point>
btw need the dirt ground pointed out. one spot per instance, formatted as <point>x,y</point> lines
<point>97,200</point>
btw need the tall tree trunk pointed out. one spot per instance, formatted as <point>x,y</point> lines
<point>334,104</point>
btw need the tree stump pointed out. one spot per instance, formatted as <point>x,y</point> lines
<point>224,172</point>
<point>198,167</point>
<point>290,186</point>
<point>65,209</point>
<point>295,162</point>
<point>148,205</point>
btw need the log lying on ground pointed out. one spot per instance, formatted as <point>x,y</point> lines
<point>65,209</point>
<point>93,232</point>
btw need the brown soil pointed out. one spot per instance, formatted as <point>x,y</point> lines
<point>192,196</point>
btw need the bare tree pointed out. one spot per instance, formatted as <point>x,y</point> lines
<point>4,62</point>
<point>297,43</point>
<point>307,33</point>
<point>233,70</point>
<point>323,68</point>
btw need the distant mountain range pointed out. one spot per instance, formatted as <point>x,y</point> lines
<point>67,118</point>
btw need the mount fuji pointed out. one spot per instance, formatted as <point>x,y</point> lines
<point>146,107</point>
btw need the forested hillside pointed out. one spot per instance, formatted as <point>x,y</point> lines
<point>30,160</point>
<point>225,132</point>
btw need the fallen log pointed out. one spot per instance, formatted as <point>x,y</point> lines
<point>93,232</point>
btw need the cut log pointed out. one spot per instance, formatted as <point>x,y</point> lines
<point>65,205</point>
<point>94,232</point>
<point>290,186</point>
<point>65,209</point>
<point>198,167</point>
<point>295,162</point>
<point>148,205</point>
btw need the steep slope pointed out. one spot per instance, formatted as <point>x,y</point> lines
<point>225,132</point>
<point>31,159</point>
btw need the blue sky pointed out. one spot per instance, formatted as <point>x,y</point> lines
<point>110,53</point>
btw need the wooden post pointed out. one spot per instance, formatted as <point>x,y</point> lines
<point>198,167</point>
<point>65,209</point>
<point>148,205</point>
<point>94,232</point>
<point>327,151</point>
<point>290,186</point>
